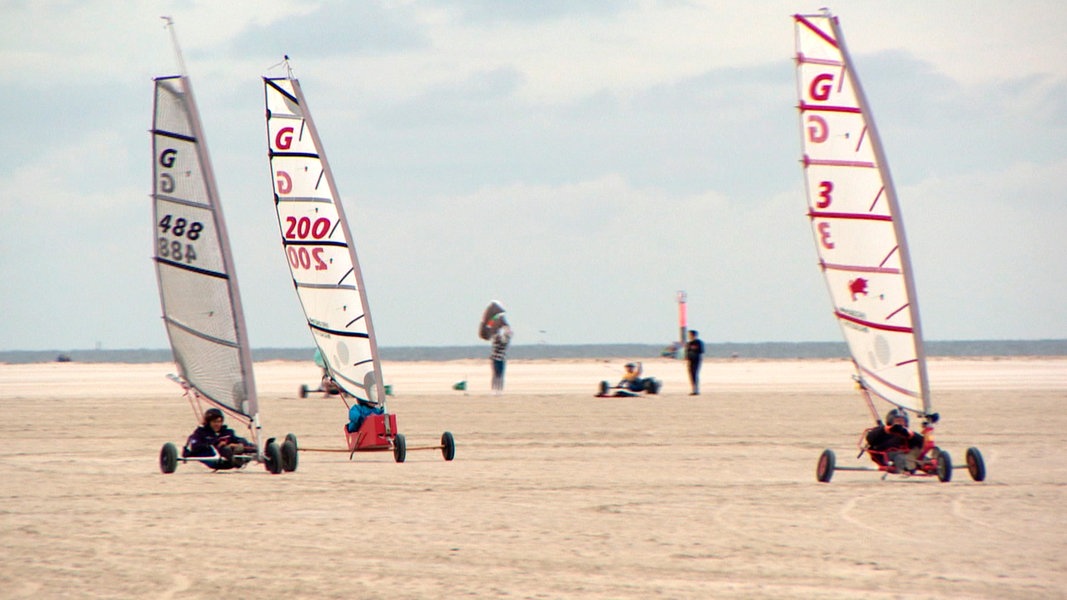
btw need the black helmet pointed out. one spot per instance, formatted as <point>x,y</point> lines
<point>896,413</point>
<point>211,414</point>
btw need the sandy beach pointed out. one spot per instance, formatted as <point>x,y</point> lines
<point>553,493</point>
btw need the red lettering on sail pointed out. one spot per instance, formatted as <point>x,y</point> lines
<point>824,235</point>
<point>825,187</point>
<point>821,87</point>
<point>285,182</point>
<point>818,130</point>
<point>284,139</point>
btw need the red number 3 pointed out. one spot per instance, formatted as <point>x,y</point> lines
<point>825,187</point>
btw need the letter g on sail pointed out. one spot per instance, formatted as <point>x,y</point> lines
<point>284,139</point>
<point>818,130</point>
<point>284,181</point>
<point>821,87</point>
<point>168,157</point>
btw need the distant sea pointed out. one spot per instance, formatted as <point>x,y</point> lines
<point>779,350</point>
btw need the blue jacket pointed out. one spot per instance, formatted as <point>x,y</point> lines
<point>358,412</point>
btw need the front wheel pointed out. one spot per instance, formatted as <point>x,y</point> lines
<point>448,445</point>
<point>303,391</point>
<point>168,458</point>
<point>400,448</point>
<point>824,472</point>
<point>944,467</point>
<point>975,464</point>
<point>289,454</point>
<point>273,458</point>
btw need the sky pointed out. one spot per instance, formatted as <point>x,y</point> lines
<point>579,161</point>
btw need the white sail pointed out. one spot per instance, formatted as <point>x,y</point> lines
<point>856,220</point>
<point>318,244</point>
<point>197,286</point>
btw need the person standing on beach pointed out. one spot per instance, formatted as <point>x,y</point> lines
<point>498,356</point>
<point>694,354</point>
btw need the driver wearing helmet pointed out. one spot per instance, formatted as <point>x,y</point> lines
<point>894,444</point>
<point>214,437</point>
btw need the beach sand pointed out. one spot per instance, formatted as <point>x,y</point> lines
<point>553,493</point>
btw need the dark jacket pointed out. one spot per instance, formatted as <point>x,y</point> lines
<point>204,440</point>
<point>884,438</point>
<point>694,350</point>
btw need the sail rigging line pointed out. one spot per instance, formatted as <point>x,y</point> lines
<point>200,334</point>
<point>198,270</point>
<point>871,324</point>
<point>173,135</point>
<point>840,215</point>
<point>859,268</point>
<point>355,334</point>
<point>169,26</point>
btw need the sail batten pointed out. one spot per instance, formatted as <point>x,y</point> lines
<point>318,244</point>
<point>855,219</point>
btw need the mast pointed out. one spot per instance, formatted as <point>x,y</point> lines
<point>357,271</point>
<point>251,409</point>
<point>898,219</point>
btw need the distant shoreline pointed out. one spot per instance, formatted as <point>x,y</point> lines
<point>779,350</point>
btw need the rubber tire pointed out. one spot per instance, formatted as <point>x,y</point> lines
<point>303,391</point>
<point>400,448</point>
<point>289,456</point>
<point>604,388</point>
<point>975,464</point>
<point>289,437</point>
<point>168,458</point>
<point>653,385</point>
<point>824,470</point>
<point>448,445</point>
<point>944,467</point>
<point>273,458</point>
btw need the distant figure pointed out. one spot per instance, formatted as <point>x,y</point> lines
<point>498,356</point>
<point>631,377</point>
<point>213,438</point>
<point>893,443</point>
<point>694,354</point>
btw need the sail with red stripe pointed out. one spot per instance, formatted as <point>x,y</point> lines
<point>856,221</point>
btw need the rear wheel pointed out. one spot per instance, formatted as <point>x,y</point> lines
<point>824,472</point>
<point>448,445</point>
<point>289,456</point>
<point>975,464</point>
<point>273,458</point>
<point>168,458</point>
<point>400,448</point>
<point>944,467</point>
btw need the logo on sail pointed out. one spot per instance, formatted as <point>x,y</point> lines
<point>857,286</point>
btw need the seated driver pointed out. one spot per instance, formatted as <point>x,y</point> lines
<point>214,436</point>
<point>631,379</point>
<point>901,445</point>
